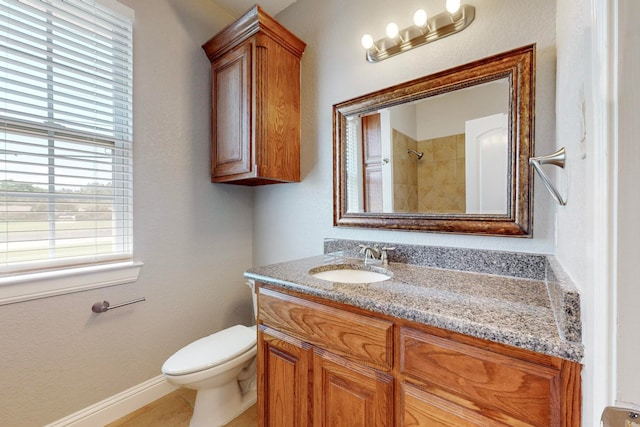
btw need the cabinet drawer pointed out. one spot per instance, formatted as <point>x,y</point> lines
<point>421,408</point>
<point>524,390</point>
<point>351,335</point>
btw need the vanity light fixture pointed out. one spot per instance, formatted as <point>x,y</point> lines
<point>452,6</point>
<point>426,29</point>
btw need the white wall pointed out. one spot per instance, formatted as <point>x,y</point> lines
<point>291,220</point>
<point>194,238</point>
<point>585,226</point>
<point>404,119</point>
<point>628,230</point>
<point>597,232</point>
<point>469,104</point>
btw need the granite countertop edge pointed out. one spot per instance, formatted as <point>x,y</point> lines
<point>438,297</point>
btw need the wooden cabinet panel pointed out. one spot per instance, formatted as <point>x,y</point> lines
<point>278,121</point>
<point>419,408</point>
<point>363,338</point>
<point>350,395</point>
<point>230,113</point>
<point>284,369</point>
<point>518,388</point>
<point>255,106</point>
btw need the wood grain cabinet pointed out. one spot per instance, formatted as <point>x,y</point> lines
<point>255,101</point>
<point>323,363</point>
<point>285,379</point>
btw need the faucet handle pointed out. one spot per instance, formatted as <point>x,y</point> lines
<point>384,255</point>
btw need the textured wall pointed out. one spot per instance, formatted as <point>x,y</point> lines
<point>194,238</point>
<point>628,298</point>
<point>578,225</point>
<point>291,220</point>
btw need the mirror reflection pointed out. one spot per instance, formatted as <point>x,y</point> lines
<point>448,152</point>
<point>445,154</point>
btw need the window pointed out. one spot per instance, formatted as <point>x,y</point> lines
<point>66,72</point>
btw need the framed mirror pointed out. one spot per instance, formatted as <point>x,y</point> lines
<point>448,152</point>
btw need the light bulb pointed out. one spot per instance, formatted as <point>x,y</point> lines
<point>392,30</point>
<point>453,6</point>
<point>420,18</point>
<point>367,41</point>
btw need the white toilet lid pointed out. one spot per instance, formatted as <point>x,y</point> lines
<point>211,351</point>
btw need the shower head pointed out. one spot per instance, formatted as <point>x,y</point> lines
<point>416,153</point>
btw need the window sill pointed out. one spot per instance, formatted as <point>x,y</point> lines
<point>26,287</point>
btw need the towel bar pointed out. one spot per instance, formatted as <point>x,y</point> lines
<point>102,306</point>
<point>557,159</point>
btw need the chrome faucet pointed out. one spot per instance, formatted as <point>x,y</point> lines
<point>371,253</point>
<point>375,254</point>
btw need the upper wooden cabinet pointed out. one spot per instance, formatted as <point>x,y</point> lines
<point>255,101</point>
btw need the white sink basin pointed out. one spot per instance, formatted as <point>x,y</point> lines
<point>349,275</point>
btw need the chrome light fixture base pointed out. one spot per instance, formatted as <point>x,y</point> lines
<point>442,25</point>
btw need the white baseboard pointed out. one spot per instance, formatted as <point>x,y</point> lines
<point>117,406</point>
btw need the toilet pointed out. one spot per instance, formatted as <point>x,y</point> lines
<point>222,369</point>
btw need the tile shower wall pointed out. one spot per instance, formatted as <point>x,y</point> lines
<point>435,183</point>
<point>405,173</point>
<point>441,174</point>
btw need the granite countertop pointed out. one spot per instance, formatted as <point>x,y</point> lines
<point>510,310</point>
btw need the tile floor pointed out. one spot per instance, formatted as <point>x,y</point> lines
<point>174,410</point>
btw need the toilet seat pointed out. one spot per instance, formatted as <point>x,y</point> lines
<point>211,351</point>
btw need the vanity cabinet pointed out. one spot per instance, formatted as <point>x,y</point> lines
<point>449,379</point>
<point>324,363</point>
<point>255,101</point>
<point>350,369</point>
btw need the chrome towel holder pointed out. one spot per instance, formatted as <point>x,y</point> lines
<point>557,159</point>
<point>619,417</point>
<point>102,306</point>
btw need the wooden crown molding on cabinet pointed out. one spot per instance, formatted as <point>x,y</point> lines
<point>255,101</point>
<point>254,21</point>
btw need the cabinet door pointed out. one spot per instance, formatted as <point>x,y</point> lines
<point>231,113</point>
<point>347,394</point>
<point>284,375</point>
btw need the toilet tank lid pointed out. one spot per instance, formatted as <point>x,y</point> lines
<point>211,351</point>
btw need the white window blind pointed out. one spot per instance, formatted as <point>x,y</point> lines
<point>66,70</point>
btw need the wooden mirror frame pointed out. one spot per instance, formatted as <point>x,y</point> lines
<point>518,66</point>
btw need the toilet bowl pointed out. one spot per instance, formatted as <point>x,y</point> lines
<point>222,369</point>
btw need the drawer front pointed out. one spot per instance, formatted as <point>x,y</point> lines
<point>420,408</point>
<point>351,335</point>
<point>493,381</point>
